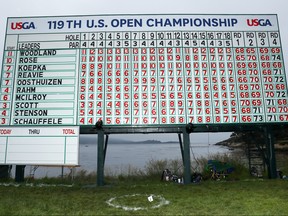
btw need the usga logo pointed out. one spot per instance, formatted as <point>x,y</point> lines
<point>258,22</point>
<point>22,25</point>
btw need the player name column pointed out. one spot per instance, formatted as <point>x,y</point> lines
<point>46,80</point>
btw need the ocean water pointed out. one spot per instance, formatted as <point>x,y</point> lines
<point>121,157</point>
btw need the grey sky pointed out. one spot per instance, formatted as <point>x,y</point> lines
<point>18,8</point>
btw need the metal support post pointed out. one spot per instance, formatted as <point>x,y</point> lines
<point>186,154</point>
<point>271,159</point>
<point>100,158</point>
<point>19,173</point>
<point>105,148</point>
<point>181,147</point>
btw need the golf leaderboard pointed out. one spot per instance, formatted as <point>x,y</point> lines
<point>143,70</point>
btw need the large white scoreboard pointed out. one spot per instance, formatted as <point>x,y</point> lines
<point>141,70</point>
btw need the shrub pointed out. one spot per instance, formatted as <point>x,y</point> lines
<point>241,170</point>
<point>156,167</point>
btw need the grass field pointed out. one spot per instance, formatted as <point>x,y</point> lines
<point>127,194</point>
<point>130,197</point>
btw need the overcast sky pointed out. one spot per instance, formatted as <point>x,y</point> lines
<point>19,8</point>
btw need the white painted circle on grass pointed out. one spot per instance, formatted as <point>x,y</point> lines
<point>158,201</point>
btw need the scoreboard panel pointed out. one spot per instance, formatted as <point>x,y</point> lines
<point>143,70</point>
<point>38,145</point>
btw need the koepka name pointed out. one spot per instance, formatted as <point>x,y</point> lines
<point>31,67</point>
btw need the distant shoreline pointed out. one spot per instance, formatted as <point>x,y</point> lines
<point>149,142</point>
<point>234,144</point>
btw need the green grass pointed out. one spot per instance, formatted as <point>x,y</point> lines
<point>128,193</point>
<point>245,197</point>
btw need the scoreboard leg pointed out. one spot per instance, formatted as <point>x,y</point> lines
<point>271,160</point>
<point>181,147</point>
<point>100,158</point>
<point>186,157</point>
<point>20,173</point>
<point>105,148</point>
